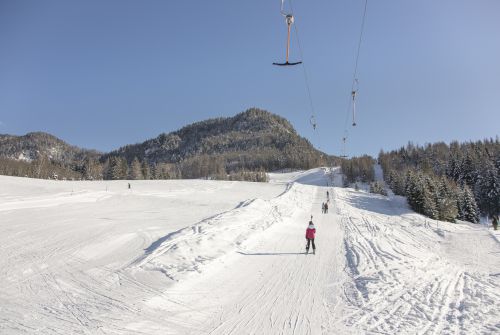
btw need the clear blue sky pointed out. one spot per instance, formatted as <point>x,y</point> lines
<point>102,74</point>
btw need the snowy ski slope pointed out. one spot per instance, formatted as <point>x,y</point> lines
<point>212,257</point>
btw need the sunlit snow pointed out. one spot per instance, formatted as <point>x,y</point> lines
<point>218,257</point>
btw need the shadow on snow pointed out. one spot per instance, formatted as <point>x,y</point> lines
<point>378,203</point>
<point>270,253</point>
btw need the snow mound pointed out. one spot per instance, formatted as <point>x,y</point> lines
<point>191,248</point>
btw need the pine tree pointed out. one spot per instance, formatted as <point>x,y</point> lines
<point>461,206</point>
<point>447,200</point>
<point>414,191</point>
<point>468,173</point>
<point>92,170</point>
<point>448,210</point>
<point>118,168</point>
<point>135,170</point>
<point>488,189</point>
<point>106,169</point>
<point>399,184</point>
<point>430,198</point>
<point>468,210</point>
<point>124,168</point>
<point>146,171</point>
<point>453,169</point>
<point>429,205</point>
<point>154,171</point>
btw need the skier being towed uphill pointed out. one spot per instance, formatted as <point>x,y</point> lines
<point>310,234</point>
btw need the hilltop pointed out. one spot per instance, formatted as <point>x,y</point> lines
<point>254,140</point>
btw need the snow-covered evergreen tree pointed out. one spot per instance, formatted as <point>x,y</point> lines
<point>415,191</point>
<point>467,207</point>
<point>135,172</point>
<point>488,189</point>
<point>429,205</point>
<point>146,171</point>
<point>448,209</point>
<point>447,201</point>
<point>118,168</point>
<point>106,169</point>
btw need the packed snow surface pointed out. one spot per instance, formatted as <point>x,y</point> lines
<point>215,257</point>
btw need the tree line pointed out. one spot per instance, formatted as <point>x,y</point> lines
<point>117,168</point>
<point>358,169</point>
<point>447,182</point>
<point>433,196</point>
<point>41,168</point>
<point>204,166</point>
<point>229,166</point>
<point>242,146</point>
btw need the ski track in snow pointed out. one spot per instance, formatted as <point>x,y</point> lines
<point>404,280</point>
<point>201,257</point>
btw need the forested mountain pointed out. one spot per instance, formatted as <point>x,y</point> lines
<point>460,180</point>
<point>42,155</point>
<point>37,145</point>
<point>252,140</point>
<point>239,147</point>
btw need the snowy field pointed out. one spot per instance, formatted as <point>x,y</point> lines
<point>215,257</point>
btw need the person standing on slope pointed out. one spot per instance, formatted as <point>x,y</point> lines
<point>310,235</point>
<point>494,221</point>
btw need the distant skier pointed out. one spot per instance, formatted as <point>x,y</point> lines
<point>327,195</point>
<point>323,207</point>
<point>310,234</point>
<point>494,221</point>
<point>129,186</point>
<point>326,207</point>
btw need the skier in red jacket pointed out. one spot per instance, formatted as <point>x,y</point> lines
<point>310,234</point>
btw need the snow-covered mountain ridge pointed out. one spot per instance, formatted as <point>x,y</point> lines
<point>251,140</point>
<point>34,146</point>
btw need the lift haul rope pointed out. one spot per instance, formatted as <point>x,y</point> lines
<point>355,85</point>
<point>312,119</point>
<point>290,20</point>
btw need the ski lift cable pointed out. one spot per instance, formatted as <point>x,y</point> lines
<point>354,79</point>
<point>282,10</point>
<point>355,82</point>
<point>304,70</point>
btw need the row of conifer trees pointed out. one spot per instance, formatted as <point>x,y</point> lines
<point>209,167</point>
<point>435,197</point>
<point>358,169</point>
<point>459,180</point>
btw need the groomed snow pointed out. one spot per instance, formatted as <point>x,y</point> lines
<point>212,257</point>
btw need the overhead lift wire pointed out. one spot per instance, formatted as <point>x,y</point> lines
<point>312,119</point>
<point>355,83</point>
